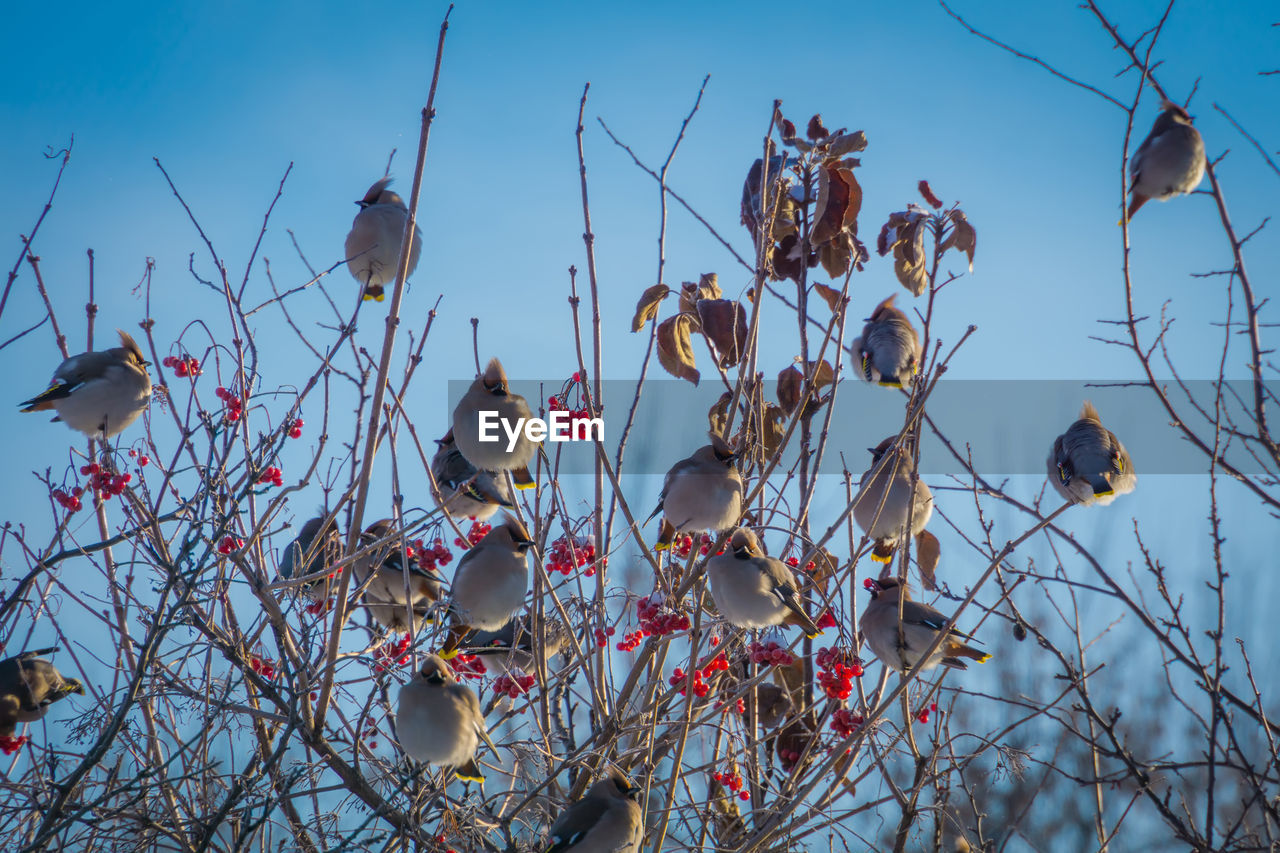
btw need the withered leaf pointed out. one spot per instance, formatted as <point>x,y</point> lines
<point>774,429</point>
<point>838,205</point>
<point>824,376</point>
<point>928,552</point>
<point>647,307</point>
<point>816,131</point>
<point>724,322</point>
<point>847,143</point>
<point>903,234</point>
<point>962,235</point>
<point>789,384</point>
<point>831,296</point>
<point>933,200</point>
<point>787,127</point>
<point>836,256</point>
<point>708,287</point>
<point>675,349</point>
<point>718,415</point>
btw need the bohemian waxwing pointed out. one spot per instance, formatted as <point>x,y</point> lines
<point>513,646</point>
<point>1169,162</point>
<point>490,583</point>
<point>98,393</point>
<point>464,491</point>
<point>439,721</point>
<point>890,472</point>
<point>311,552</point>
<point>606,820</point>
<point>703,492</point>
<point>900,650</point>
<point>373,244</point>
<point>1088,464</point>
<point>28,686</point>
<point>398,587</point>
<point>489,393</point>
<point>889,349</point>
<point>753,590</point>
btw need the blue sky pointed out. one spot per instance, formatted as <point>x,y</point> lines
<point>227,95</point>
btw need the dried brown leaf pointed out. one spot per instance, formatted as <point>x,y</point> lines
<point>831,296</point>
<point>724,322</point>
<point>816,131</point>
<point>774,429</point>
<point>647,307</point>
<point>903,234</point>
<point>675,349</point>
<point>847,143</point>
<point>718,415</point>
<point>691,294</point>
<point>962,236</point>
<point>789,383</point>
<point>838,205</point>
<point>928,195</point>
<point>928,552</point>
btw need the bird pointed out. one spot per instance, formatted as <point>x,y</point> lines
<point>754,590</point>
<point>466,492</point>
<point>373,244</point>
<point>889,480</point>
<point>606,820</point>
<point>1088,464</point>
<point>773,705</point>
<point>490,582</point>
<point>395,586</point>
<point>513,646</point>
<point>28,686</point>
<point>702,492</point>
<point>490,393</point>
<point>889,348</point>
<point>311,552</point>
<point>901,649</point>
<point>98,393</point>
<point>1169,162</point>
<point>439,721</point>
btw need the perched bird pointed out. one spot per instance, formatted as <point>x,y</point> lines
<point>888,480</point>
<point>774,705</point>
<point>28,686</point>
<point>513,646</point>
<point>464,491</point>
<point>398,586</point>
<point>373,244</point>
<point>889,348</point>
<point>753,590</point>
<point>606,820</point>
<point>98,393</point>
<point>490,583</point>
<point>703,492</point>
<point>1088,464</point>
<point>311,552</point>
<point>489,395</point>
<point>1169,162</point>
<point>438,720</point>
<point>900,645</point>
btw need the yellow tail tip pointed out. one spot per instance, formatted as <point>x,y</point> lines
<point>523,486</point>
<point>879,559</point>
<point>884,384</point>
<point>469,777</point>
<point>1104,493</point>
<point>661,546</point>
<point>814,636</point>
<point>984,658</point>
<point>448,654</point>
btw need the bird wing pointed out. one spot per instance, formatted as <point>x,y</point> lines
<point>472,704</point>
<point>681,467</point>
<point>575,822</point>
<point>915,613</point>
<point>784,587</point>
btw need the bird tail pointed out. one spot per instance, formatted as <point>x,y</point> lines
<point>523,479</point>
<point>56,391</point>
<point>957,650</point>
<point>666,537</point>
<point>453,642</point>
<point>376,292</point>
<point>469,772</point>
<point>889,382</point>
<point>1138,201</point>
<point>1101,488</point>
<point>800,618</point>
<point>883,551</point>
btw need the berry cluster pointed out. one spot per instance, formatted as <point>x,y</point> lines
<point>390,655</point>
<point>103,482</point>
<point>788,757</point>
<point>683,545</point>
<point>272,475</point>
<point>187,366</point>
<point>679,677</point>
<point>630,641</point>
<point>229,544</point>
<point>9,745</point>
<point>826,620</point>
<point>430,557</point>
<point>844,722</point>
<point>566,555</point>
<point>740,706</point>
<point>264,668</point>
<point>656,619</point>
<point>839,668</point>
<point>442,841</point>
<point>576,416</point>
<point>467,666</point>
<point>143,459</point>
<point>794,562</point>
<point>70,501</point>
<point>478,531</point>
<point>234,404</point>
<point>371,736</point>
<point>514,686</point>
<point>733,781</point>
<point>295,429</point>
<point>770,654</point>
<point>602,636</point>
<point>923,716</point>
<point>317,607</point>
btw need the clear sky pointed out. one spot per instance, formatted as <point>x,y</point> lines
<point>227,95</point>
